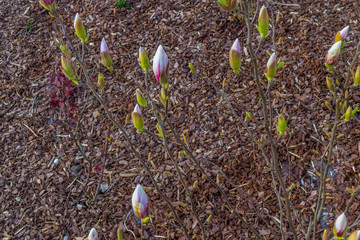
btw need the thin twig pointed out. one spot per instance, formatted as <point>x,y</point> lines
<point>275,159</point>
<point>104,161</point>
<point>110,117</point>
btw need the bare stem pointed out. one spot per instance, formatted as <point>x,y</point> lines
<point>127,137</point>
<point>275,160</point>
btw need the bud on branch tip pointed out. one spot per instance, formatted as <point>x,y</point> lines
<point>105,55</point>
<point>235,56</point>
<point>340,226</point>
<point>93,234</point>
<point>161,66</point>
<point>139,202</point>
<point>263,21</point>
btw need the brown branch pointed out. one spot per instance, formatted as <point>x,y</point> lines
<point>110,117</point>
<point>174,160</point>
<point>275,159</point>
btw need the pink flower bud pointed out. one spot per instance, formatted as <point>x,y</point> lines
<point>340,225</point>
<point>93,234</point>
<point>333,53</point>
<point>105,55</point>
<point>104,47</point>
<point>344,32</point>
<point>140,202</point>
<point>137,119</point>
<point>161,66</point>
<point>271,67</point>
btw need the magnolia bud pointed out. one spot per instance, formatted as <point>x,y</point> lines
<point>79,28</point>
<point>333,53</point>
<point>340,226</point>
<point>140,98</point>
<point>355,235</point>
<point>93,234</point>
<point>328,105</point>
<point>144,60</point>
<point>105,55</point>
<point>331,85</point>
<point>101,81</point>
<point>137,119</point>
<point>139,202</point>
<point>161,66</point>
<point>263,22</point>
<point>271,67</point>
<point>348,114</point>
<point>342,34</point>
<point>235,57</point>
<point>47,4</point>
<point>281,124</point>
<point>67,68</point>
<point>357,77</point>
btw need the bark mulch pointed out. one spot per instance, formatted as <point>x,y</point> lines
<point>42,174</point>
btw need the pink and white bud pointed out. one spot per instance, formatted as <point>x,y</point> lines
<point>161,66</point>
<point>104,47</point>
<point>105,55</point>
<point>93,234</point>
<point>79,28</point>
<point>340,225</point>
<point>344,32</point>
<point>271,67</point>
<point>137,119</point>
<point>235,56</point>
<point>139,202</point>
<point>137,109</point>
<point>333,53</point>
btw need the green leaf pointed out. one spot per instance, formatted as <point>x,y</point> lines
<point>223,2</point>
<point>74,81</point>
<point>280,65</point>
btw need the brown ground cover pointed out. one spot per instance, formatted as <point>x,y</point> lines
<point>43,200</point>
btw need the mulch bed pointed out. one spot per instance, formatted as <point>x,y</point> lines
<point>42,173</point>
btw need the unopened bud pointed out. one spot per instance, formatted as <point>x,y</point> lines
<point>235,57</point>
<point>67,68</point>
<point>271,68</point>
<point>93,234</point>
<point>333,54</point>
<point>357,76</point>
<point>144,60</point>
<point>263,22</point>
<point>64,50</point>
<point>105,55</point>
<point>348,114</point>
<point>79,28</point>
<point>341,36</point>
<point>281,124</point>
<point>101,81</point>
<point>340,226</point>
<point>140,98</point>
<point>137,119</point>
<point>48,4</point>
<point>328,105</point>
<point>331,85</point>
